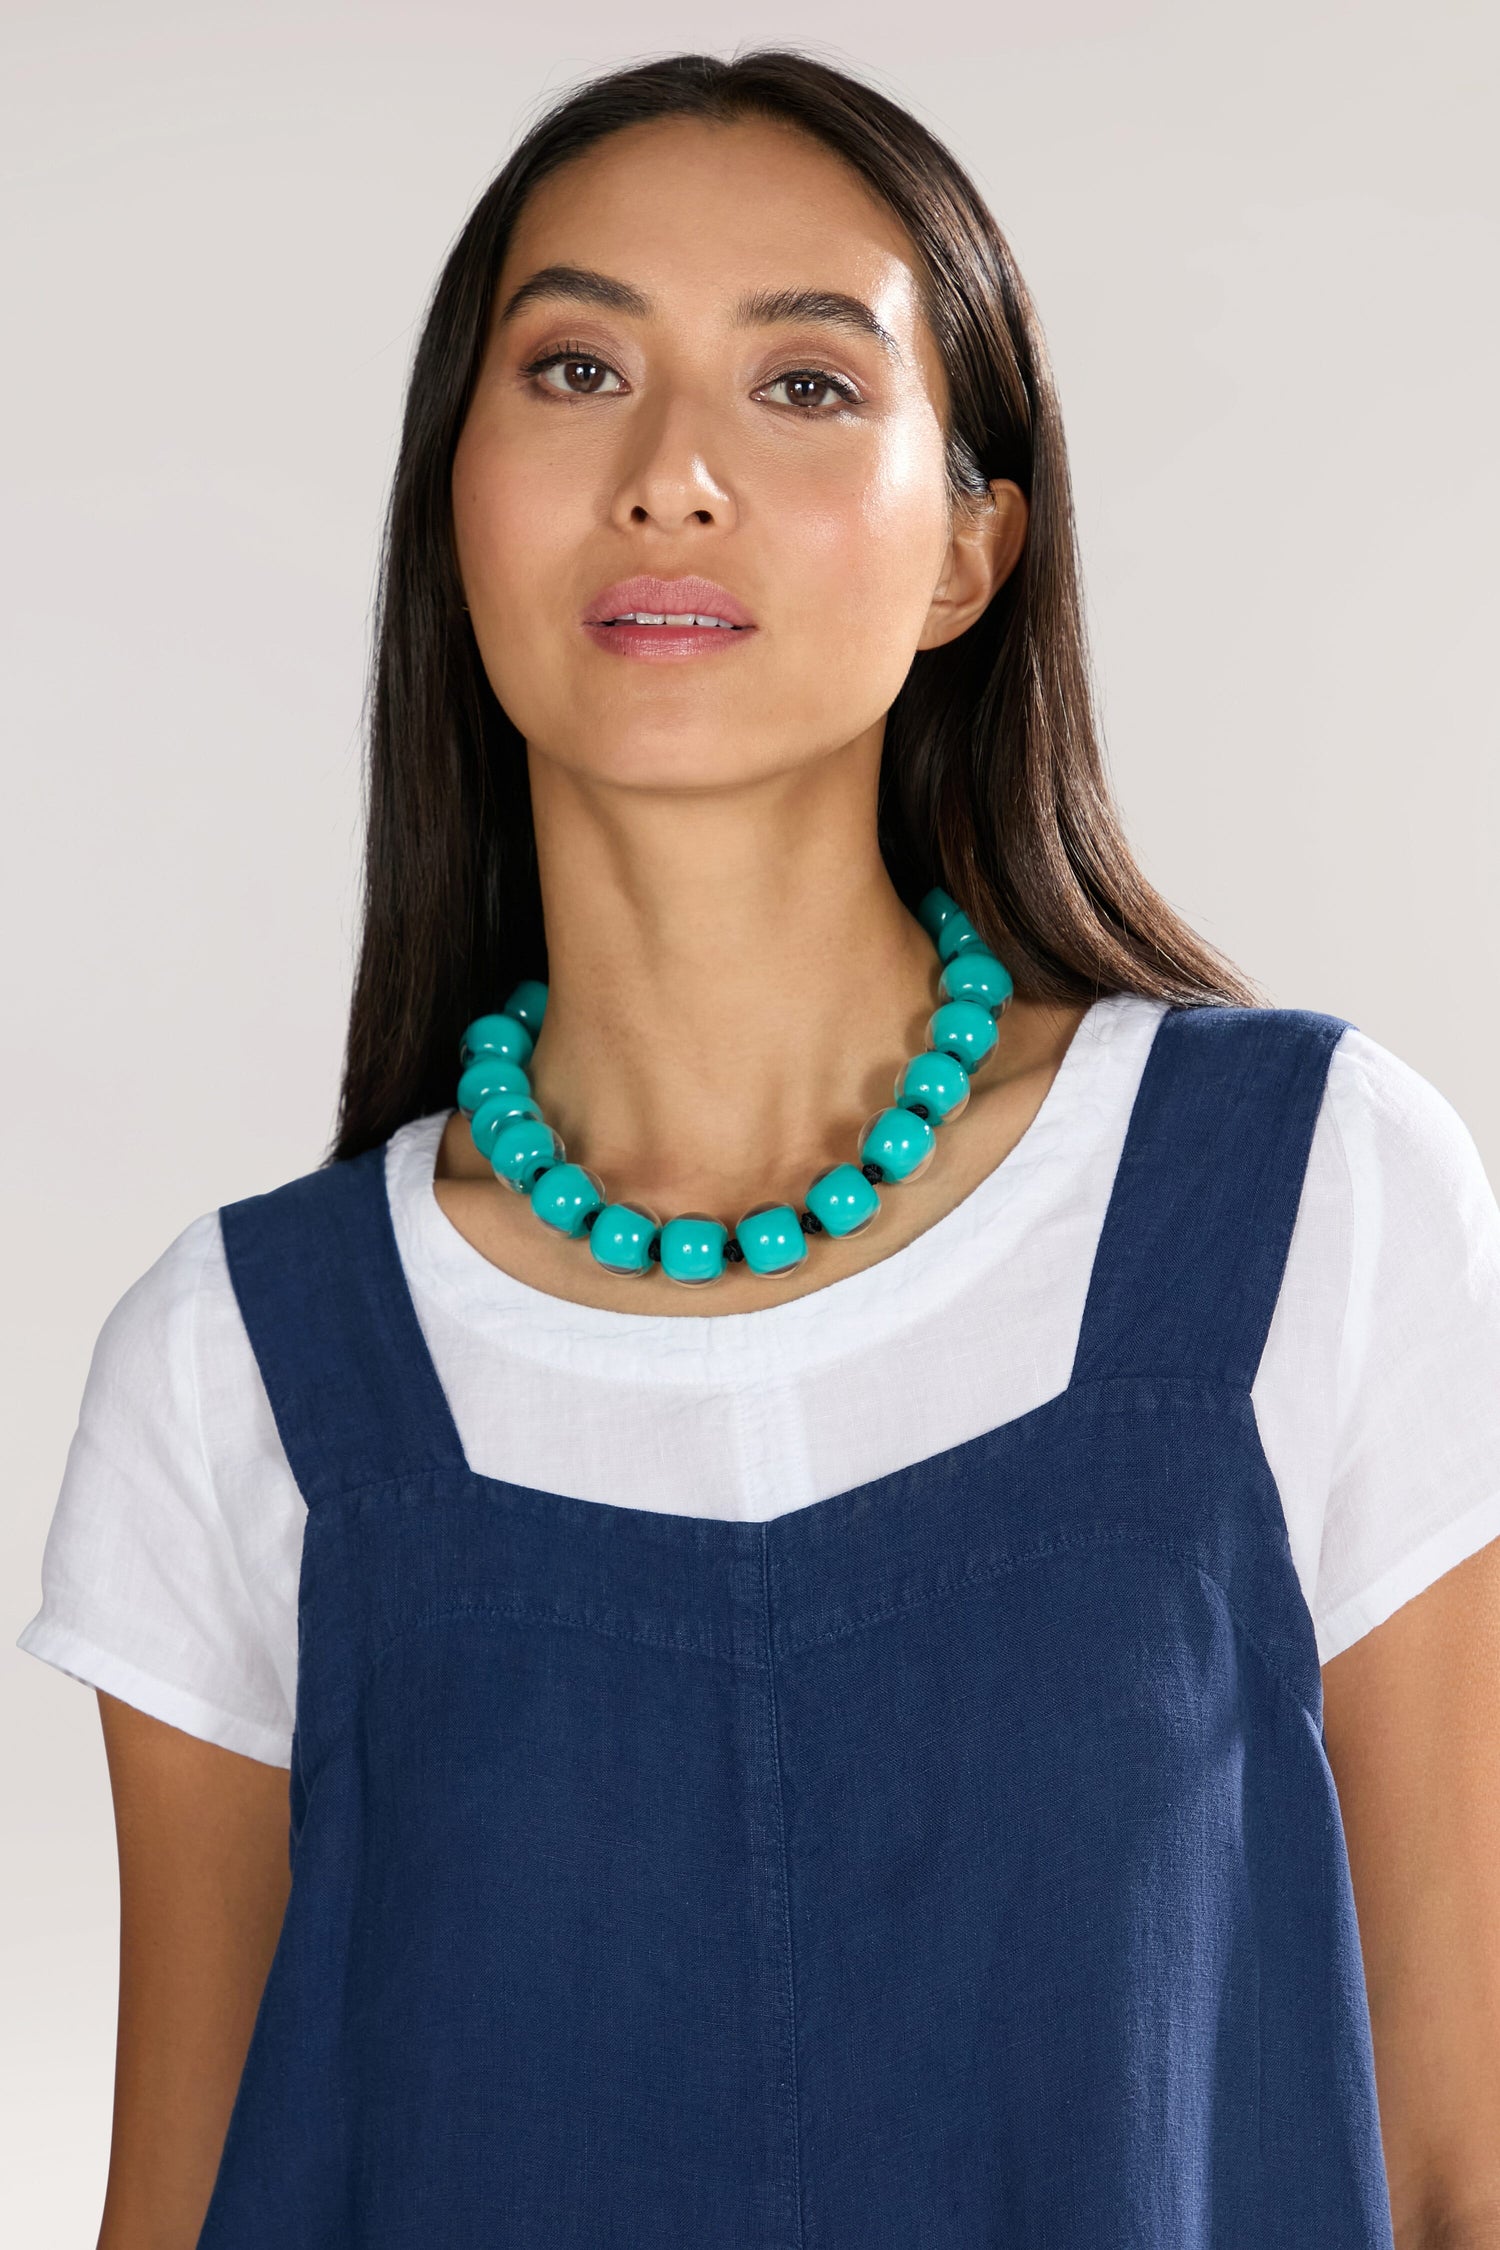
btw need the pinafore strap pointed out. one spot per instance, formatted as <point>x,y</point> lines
<point>325,1301</point>
<point>1195,1240</point>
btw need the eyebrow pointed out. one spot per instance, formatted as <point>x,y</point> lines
<point>762,308</point>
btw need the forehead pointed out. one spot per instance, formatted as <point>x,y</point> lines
<point>696,214</point>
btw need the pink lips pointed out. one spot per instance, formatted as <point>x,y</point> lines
<point>667,618</point>
<point>667,597</point>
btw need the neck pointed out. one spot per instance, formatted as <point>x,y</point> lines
<point>732,981</point>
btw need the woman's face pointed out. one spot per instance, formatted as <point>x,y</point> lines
<point>709,393</point>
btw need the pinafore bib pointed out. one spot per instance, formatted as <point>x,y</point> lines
<point>950,1864</point>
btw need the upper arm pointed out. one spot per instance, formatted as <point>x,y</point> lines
<point>1407,1607</point>
<point>1412,1731</point>
<point>202,1834</point>
<point>160,1586</point>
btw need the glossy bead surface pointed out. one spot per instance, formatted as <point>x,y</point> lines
<point>976,975</point>
<point>621,1238</point>
<point>938,1081</point>
<point>692,1247</point>
<point>963,1028</point>
<point>495,1112</point>
<point>899,1141</point>
<point>520,1149</point>
<point>843,1200</point>
<point>772,1239</point>
<point>935,909</point>
<point>528,1004</point>
<point>490,1075</point>
<point>956,936</point>
<point>504,1038</point>
<point>564,1196</point>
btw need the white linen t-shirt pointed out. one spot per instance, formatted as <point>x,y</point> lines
<point>169,1574</point>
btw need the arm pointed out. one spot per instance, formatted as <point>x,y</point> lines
<point>202,1837</point>
<point>1412,1732</point>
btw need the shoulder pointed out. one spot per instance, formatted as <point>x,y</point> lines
<point>1383,1114</point>
<point>1379,1393</point>
<point>1399,1209</point>
<point>1423,1225</point>
<point>149,1330</point>
<point>1256,1034</point>
<point>343,1210</point>
<point>164,1582</point>
<point>1391,1119</point>
<point>1394,1152</point>
<point>394,1168</point>
<point>324,1188</point>
<point>171,1377</point>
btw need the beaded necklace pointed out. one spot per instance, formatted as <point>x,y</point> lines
<point>896,1144</point>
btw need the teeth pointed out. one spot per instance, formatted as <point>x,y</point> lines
<point>649,617</point>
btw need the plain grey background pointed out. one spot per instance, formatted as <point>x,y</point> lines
<point>1263,244</point>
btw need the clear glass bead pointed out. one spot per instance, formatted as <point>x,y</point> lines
<point>909,1143</point>
<point>690,1241</point>
<point>844,1201</point>
<point>520,1151</point>
<point>621,1236</point>
<point>775,1248</point>
<point>938,1081</point>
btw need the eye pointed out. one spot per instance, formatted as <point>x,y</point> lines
<point>573,374</point>
<point>811,390</point>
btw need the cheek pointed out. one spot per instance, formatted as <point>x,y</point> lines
<point>867,541</point>
<point>512,522</point>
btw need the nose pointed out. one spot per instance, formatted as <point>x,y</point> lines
<point>666,480</point>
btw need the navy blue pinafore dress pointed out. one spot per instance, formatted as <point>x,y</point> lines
<point>951,1864</point>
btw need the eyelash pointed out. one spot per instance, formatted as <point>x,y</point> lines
<point>843,390</point>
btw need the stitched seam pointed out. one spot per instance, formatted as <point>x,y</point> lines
<point>523,1613</point>
<point>519,1613</point>
<point>516,1613</point>
<point>1341,1374</point>
<point>971,1581</point>
<point>786,1910</point>
<point>279,1722</point>
<point>1120,1534</point>
<point>1268,1662</point>
<point>1202,1390</point>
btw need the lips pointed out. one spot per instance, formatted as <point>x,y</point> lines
<point>668,606</point>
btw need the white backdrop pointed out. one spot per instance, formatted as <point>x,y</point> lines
<point>1263,241</point>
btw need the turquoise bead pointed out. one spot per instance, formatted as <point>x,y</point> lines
<point>898,1141</point>
<point>963,1028</point>
<point>501,1038</point>
<point>843,1199</point>
<point>519,1151</point>
<point>564,1196</point>
<point>975,974</point>
<point>490,1075</point>
<point>772,1239</point>
<point>692,1247</point>
<point>956,936</point>
<point>938,1081</point>
<point>621,1238</point>
<point>494,1112</point>
<point>935,910</point>
<point>528,1004</point>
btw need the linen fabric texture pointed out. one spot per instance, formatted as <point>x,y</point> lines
<point>170,1570</point>
<point>953,1861</point>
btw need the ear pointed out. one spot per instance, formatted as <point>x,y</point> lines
<point>983,549</point>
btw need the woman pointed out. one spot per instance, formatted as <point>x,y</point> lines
<point>867,1747</point>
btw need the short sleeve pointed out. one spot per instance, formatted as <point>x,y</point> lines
<point>1415,1472</point>
<point>143,1593</point>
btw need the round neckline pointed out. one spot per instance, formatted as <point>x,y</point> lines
<point>819,1322</point>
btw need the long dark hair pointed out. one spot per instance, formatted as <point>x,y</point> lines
<point>992,781</point>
